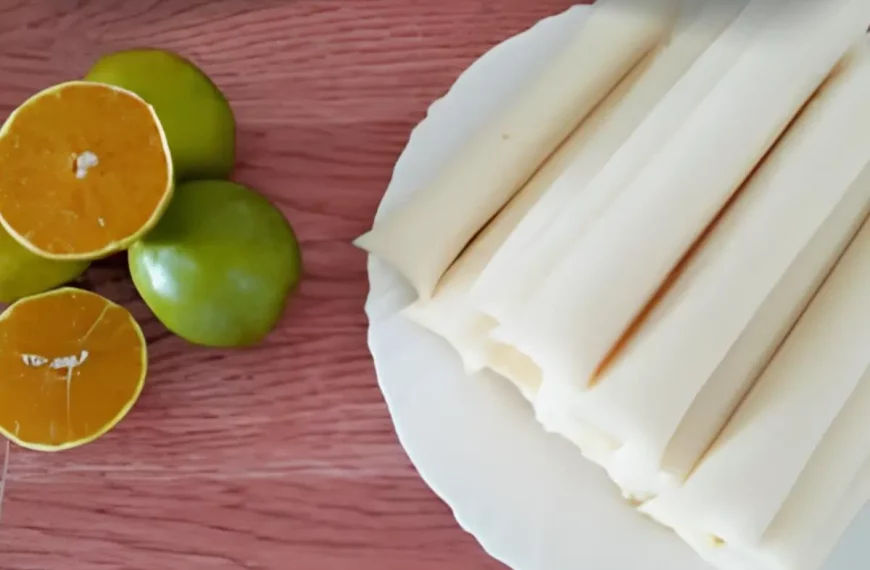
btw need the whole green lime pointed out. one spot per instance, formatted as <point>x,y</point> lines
<point>219,267</point>
<point>23,273</point>
<point>196,116</point>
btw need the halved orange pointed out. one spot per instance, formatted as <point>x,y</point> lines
<point>85,171</point>
<point>72,364</point>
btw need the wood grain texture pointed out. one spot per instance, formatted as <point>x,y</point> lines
<point>282,456</point>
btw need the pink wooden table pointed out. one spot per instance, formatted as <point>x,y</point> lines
<point>283,456</point>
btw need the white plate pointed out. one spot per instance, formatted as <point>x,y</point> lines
<point>530,499</point>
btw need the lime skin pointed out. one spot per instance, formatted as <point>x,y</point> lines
<point>219,267</point>
<point>196,116</point>
<point>23,273</point>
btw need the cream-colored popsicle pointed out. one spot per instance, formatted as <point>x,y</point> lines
<point>590,301</point>
<point>743,482</point>
<point>840,459</point>
<point>702,55</point>
<point>669,392</point>
<point>449,312</point>
<point>816,552</point>
<point>424,236</point>
<point>807,546</point>
<point>516,367</point>
<point>526,377</point>
<point>833,486</point>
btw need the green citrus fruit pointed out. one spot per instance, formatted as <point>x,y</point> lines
<point>218,268</point>
<point>23,273</point>
<point>196,116</point>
